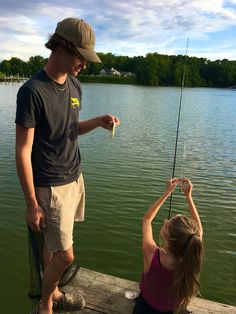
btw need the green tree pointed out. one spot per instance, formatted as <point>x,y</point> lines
<point>5,67</point>
<point>146,71</point>
<point>35,64</point>
<point>163,69</point>
<point>16,66</point>
<point>193,77</point>
<point>153,69</point>
<point>178,73</point>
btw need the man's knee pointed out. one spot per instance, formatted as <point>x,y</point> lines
<point>66,258</point>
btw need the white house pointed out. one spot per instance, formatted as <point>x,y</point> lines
<point>110,72</point>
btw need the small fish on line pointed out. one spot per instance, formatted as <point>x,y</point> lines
<point>113,130</point>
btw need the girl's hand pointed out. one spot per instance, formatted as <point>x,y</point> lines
<point>186,187</point>
<point>172,183</point>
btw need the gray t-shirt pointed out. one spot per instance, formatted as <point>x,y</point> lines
<point>53,110</point>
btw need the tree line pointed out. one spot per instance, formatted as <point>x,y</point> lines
<point>154,69</point>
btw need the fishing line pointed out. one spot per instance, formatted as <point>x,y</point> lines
<point>178,121</point>
<point>183,158</point>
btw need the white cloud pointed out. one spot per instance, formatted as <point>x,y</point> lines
<point>48,10</point>
<point>18,23</point>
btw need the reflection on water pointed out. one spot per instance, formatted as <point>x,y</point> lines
<point>125,175</point>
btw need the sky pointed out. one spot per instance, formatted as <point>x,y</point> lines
<point>127,28</point>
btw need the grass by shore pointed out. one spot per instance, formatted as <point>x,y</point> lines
<point>107,79</point>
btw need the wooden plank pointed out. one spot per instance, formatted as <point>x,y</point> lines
<point>204,306</point>
<point>105,294</point>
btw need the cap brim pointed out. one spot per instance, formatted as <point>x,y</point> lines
<point>89,55</point>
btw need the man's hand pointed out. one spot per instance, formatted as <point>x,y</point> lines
<point>35,218</point>
<point>107,121</point>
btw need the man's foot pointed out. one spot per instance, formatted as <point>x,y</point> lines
<point>57,294</point>
<point>69,302</point>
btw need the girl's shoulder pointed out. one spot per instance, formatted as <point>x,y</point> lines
<point>167,260</point>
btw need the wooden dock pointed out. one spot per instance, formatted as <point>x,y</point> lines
<point>13,79</point>
<point>105,294</point>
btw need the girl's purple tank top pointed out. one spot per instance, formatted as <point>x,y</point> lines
<point>155,285</point>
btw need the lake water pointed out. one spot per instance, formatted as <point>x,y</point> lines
<point>125,175</point>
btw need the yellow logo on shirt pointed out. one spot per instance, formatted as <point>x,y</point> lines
<point>74,102</point>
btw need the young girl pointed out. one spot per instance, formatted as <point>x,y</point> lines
<point>171,271</point>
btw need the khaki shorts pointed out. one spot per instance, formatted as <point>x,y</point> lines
<point>62,205</point>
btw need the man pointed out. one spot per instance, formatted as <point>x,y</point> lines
<point>47,153</point>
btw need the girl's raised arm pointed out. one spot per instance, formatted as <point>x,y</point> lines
<point>148,244</point>
<point>187,188</point>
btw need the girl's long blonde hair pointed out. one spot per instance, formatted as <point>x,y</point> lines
<point>185,244</point>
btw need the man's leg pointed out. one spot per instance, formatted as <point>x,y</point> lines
<point>47,257</point>
<point>60,210</point>
<point>55,265</point>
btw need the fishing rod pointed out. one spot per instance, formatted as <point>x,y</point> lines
<point>178,121</point>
